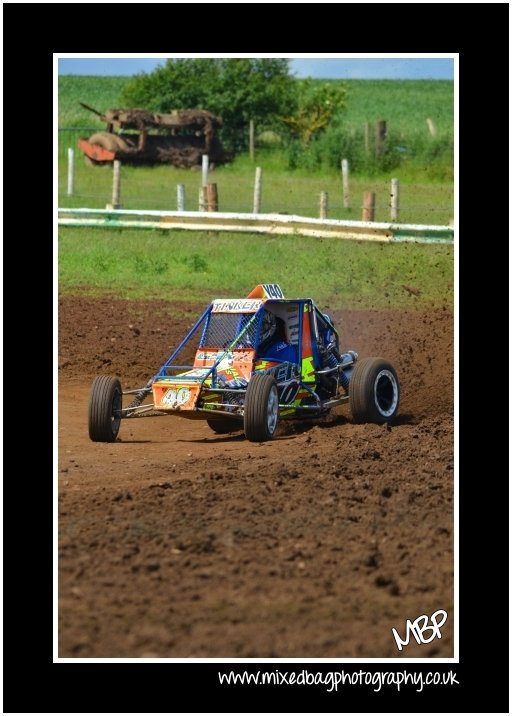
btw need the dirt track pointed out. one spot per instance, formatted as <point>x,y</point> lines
<point>176,542</point>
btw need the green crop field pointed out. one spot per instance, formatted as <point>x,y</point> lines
<point>404,104</point>
<point>412,153</point>
<point>98,92</point>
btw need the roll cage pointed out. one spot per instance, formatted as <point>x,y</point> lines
<point>229,326</point>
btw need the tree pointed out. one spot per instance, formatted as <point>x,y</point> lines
<point>236,89</point>
<point>317,105</point>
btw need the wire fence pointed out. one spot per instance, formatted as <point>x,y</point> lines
<point>159,187</point>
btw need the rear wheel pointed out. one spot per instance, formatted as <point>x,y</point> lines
<point>106,140</point>
<point>105,404</point>
<point>374,391</point>
<point>261,410</point>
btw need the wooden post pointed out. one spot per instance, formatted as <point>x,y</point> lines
<point>344,177</point>
<point>380,136</point>
<point>257,192</point>
<point>71,171</point>
<point>116,186</point>
<point>143,138</point>
<point>251,139</point>
<point>366,138</point>
<point>204,168</point>
<point>212,197</point>
<point>324,204</point>
<point>203,198</point>
<point>431,127</point>
<point>180,197</point>
<point>394,196</point>
<point>369,206</point>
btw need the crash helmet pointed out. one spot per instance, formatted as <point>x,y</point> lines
<point>268,327</point>
<point>329,333</point>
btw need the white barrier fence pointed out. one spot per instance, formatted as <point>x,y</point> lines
<point>256,224</point>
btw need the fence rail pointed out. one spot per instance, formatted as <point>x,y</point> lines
<point>256,223</point>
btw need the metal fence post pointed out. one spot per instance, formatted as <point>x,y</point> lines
<point>204,167</point>
<point>116,187</point>
<point>344,176</point>
<point>71,171</point>
<point>393,199</point>
<point>180,197</point>
<point>257,192</point>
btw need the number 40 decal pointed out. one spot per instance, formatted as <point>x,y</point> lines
<point>273,290</point>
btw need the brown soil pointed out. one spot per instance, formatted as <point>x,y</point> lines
<point>176,542</point>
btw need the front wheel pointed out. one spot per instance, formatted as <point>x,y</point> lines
<point>374,391</point>
<point>261,409</point>
<point>105,404</point>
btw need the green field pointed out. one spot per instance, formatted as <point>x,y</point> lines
<point>404,104</point>
<point>98,92</point>
<point>155,188</point>
<point>187,265</point>
<point>426,185</point>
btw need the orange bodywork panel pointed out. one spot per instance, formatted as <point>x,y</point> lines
<point>94,151</point>
<point>175,396</point>
<point>266,290</point>
<point>307,365</point>
<point>180,393</point>
<point>236,363</point>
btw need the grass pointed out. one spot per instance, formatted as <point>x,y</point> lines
<point>194,266</point>
<point>155,188</point>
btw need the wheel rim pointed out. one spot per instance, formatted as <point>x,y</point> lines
<point>117,404</point>
<point>272,410</point>
<point>386,393</point>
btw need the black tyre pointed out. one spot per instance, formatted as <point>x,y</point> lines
<point>374,391</point>
<point>106,140</point>
<point>222,426</point>
<point>105,403</point>
<point>261,410</point>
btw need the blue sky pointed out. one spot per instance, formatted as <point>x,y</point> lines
<point>386,67</point>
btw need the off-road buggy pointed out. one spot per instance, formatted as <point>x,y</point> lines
<point>256,361</point>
